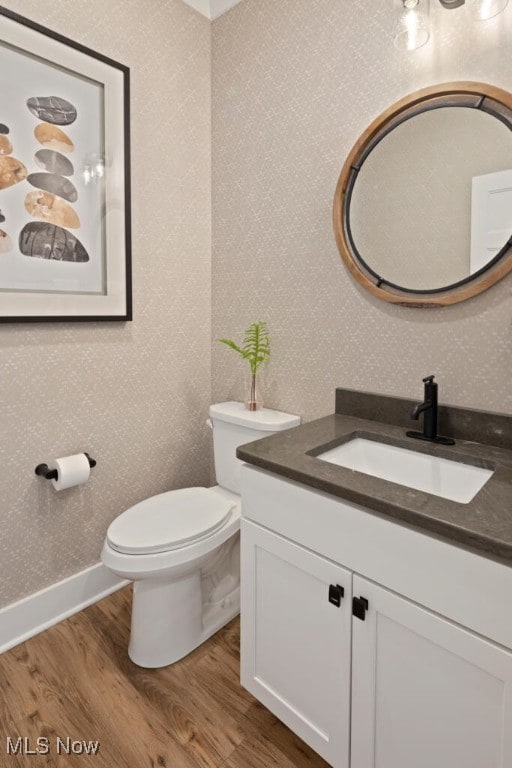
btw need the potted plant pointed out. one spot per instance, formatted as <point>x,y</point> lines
<point>255,348</point>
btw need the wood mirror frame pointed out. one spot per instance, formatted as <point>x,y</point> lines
<point>487,98</point>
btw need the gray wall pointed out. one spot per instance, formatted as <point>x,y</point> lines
<point>295,83</point>
<point>136,394</point>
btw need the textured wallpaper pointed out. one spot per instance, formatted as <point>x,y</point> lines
<point>134,395</point>
<point>295,83</point>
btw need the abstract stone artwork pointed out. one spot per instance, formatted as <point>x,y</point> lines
<point>5,145</point>
<point>54,162</point>
<point>48,207</point>
<point>50,202</point>
<point>52,137</point>
<point>64,210</point>
<point>12,171</point>
<point>58,185</point>
<point>47,241</point>
<point>52,109</point>
<point>50,240</point>
<point>5,242</point>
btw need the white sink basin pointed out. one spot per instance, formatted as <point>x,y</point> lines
<point>442,477</point>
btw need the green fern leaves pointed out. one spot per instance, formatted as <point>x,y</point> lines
<point>255,346</point>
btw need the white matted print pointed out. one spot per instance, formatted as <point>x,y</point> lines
<point>64,185</point>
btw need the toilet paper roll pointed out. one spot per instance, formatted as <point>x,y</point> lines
<point>73,470</point>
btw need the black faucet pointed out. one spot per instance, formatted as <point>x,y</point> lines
<point>429,409</point>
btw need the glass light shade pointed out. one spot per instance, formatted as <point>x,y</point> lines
<point>412,24</point>
<point>482,10</point>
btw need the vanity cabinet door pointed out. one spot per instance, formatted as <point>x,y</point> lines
<point>426,692</point>
<point>295,646</point>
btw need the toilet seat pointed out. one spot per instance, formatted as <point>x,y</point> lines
<point>169,521</point>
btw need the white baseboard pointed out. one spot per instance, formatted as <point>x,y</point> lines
<point>43,609</point>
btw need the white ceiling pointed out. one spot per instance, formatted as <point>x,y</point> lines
<point>212,9</point>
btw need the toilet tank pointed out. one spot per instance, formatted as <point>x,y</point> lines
<point>234,425</point>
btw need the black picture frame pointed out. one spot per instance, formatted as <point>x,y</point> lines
<point>100,289</point>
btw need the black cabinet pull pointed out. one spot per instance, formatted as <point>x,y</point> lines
<point>336,593</point>
<point>359,607</point>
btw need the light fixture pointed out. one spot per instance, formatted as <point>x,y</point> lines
<point>412,27</point>
<point>412,18</point>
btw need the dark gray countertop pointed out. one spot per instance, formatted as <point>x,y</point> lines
<point>484,524</point>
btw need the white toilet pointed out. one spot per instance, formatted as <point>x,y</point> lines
<point>182,548</point>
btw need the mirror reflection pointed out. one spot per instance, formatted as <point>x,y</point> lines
<point>432,202</point>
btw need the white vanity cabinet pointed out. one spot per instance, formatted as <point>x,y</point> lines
<point>297,626</point>
<point>426,693</point>
<point>401,683</point>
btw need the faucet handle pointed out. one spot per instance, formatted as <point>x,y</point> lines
<point>428,379</point>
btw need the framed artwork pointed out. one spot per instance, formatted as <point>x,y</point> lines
<point>65,240</point>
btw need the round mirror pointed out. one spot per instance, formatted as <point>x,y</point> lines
<point>423,207</point>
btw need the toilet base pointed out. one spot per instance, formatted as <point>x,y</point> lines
<point>172,618</point>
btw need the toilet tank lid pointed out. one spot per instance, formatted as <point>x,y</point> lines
<point>266,419</point>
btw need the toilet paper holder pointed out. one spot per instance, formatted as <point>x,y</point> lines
<point>52,474</point>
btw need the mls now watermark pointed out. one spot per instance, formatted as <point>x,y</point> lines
<point>23,745</point>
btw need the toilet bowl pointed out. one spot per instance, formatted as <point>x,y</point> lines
<point>182,549</point>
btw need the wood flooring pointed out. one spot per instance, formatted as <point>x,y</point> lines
<point>76,681</point>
